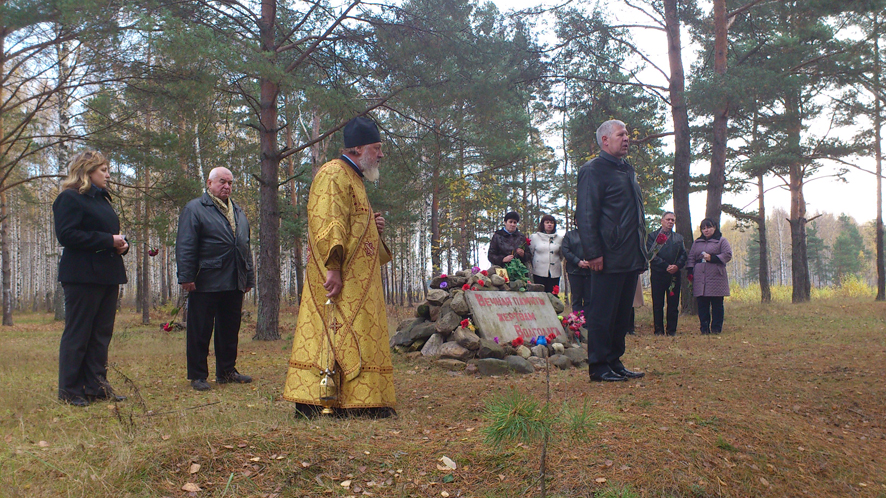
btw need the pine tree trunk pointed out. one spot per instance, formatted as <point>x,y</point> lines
<point>765,291</point>
<point>436,250</point>
<point>878,154</point>
<point>799,262</point>
<point>267,323</point>
<point>682,151</point>
<point>717,177</point>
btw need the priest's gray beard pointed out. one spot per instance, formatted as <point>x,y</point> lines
<point>369,167</point>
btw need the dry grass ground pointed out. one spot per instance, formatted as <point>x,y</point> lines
<point>789,401</point>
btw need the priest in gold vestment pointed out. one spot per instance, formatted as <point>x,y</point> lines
<point>341,360</point>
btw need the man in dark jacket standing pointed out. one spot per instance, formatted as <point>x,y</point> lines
<point>215,268</point>
<point>577,268</point>
<point>611,224</point>
<point>664,274</point>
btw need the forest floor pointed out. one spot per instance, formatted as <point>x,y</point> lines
<point>788,401</point>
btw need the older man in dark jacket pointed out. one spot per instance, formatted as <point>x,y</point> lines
<point>611,224</point>
<point>664,274</point>
<point>215,268</point>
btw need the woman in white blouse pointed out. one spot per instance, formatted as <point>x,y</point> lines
<point>547,262</point>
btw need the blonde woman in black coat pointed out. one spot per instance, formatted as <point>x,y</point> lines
<point>91,271</point>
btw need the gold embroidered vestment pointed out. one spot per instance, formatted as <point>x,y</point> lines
<point>342,235</point>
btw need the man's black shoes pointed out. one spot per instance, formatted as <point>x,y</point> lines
<point>200,385</point>
<point>609,376</point>
<point>112,396</point>
<point>77,401</point>
<point>624,372</point>
<point>234,377</point>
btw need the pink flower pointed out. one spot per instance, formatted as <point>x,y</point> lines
<point>556,290</point>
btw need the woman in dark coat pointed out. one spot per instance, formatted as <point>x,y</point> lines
<point>91,271</point>
<point>508,243</point>
<point>707,272</point>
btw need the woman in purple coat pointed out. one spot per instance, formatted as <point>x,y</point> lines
<point>707,272</point>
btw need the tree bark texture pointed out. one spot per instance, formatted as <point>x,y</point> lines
<point>6,268</point>
<point>682,153</point>
<point>765,291</point>
<point>717,176</point>
<point>878,153</point>
<point>268,281</point>
<point>802,287</point>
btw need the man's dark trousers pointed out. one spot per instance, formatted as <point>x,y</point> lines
<point>579,286</point>
<point>608,313</point>
<point>83,354</point>
<point>205,310</point>
<point>661,283</point>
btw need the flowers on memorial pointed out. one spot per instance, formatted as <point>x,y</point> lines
<point>475,269</point>
<point>574,321</point>
<point>484,273</point>
<point>153,252</point>
<point>517,269</point>
<point>660,241</point>
<point>481,283</point>
<point>464,323</point>
<point>443,275</point>
<point>517,342</point>
<point>495,339</point>
<point>443,285</point>
<point>556,290</point>
<point>466,287</point>
<point>552,337</point>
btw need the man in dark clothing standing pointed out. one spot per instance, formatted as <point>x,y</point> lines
<point>215,268</point>
<point>577,268</point>
<point>664,274</point>
<point>508,243</point>
<point>611,224</point>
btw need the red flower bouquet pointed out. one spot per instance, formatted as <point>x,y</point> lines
<point>517,342</point>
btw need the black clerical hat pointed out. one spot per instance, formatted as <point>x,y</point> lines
<point>361,131</point>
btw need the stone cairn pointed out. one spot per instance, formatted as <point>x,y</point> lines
<point>438,331</point>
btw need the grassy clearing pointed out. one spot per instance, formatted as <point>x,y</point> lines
<point>787,402</point>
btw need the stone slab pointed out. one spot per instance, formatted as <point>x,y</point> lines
<point>508,315</point>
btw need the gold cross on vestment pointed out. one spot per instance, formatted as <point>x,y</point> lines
<point>335,325</point>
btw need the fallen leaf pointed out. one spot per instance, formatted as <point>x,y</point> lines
<point>195,467</point>
<point>165,437</point>
<point>448,463</point>
<point>362,468</point>
<point>764,481</point>
<point>191,487</point>
<point>305,464</point>
<point>346,484</point>
<point>281,457</point>
<point>444,494</point>
<point>607,463</point>
<point>43,444</point>
<point>228,447</point>
<point>600,480</point>
<point>365,452</point>
<point>241,445</point>
<point>255,459</point>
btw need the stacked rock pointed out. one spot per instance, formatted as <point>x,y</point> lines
<point>442,328</point>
